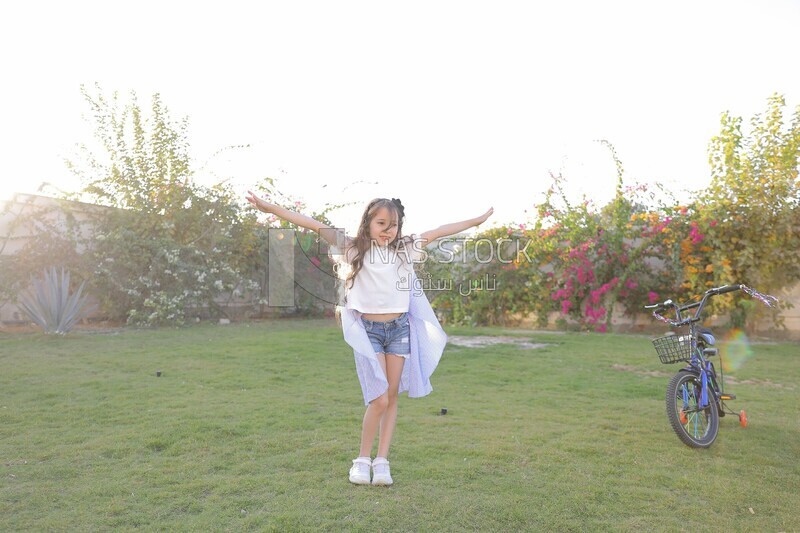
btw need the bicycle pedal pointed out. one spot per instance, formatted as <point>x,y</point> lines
<point>727,396</point>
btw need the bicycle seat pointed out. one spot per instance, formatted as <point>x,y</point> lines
<point>706,336</point>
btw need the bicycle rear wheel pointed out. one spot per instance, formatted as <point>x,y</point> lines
<point>695,427</point>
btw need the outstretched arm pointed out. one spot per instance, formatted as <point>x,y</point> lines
<point>292,217</point>
<point>453,228</point>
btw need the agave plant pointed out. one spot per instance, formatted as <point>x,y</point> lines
<point>51,306</point>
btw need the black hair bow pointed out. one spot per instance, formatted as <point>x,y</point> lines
<point>400,208</point>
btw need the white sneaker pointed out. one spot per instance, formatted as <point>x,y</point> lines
<point>380,472</point>
<point>359,472</point>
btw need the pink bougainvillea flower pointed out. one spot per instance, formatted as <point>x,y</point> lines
<point>696,236</point>
<point>653,297</point>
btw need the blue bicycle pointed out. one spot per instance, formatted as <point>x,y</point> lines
<point>696,395</point>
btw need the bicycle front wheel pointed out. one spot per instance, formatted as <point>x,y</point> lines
<point>695,426</point>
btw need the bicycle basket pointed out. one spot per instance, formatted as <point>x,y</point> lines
<point>673,348</point>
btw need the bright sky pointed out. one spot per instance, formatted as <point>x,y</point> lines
<point>453,106</point>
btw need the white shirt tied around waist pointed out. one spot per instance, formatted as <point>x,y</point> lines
<point>383,285</point>
<point>427,340</point>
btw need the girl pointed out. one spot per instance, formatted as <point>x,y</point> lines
<point>396,339</point>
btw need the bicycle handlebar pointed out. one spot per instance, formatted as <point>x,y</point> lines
<point>660,307</point>
<point>725,289</point>
<point>669,304</point>
<point>766,299</point>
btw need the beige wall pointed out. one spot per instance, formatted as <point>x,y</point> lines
<point>14,232</point>
<point>791,317</point>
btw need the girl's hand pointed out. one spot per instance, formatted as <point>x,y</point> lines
<point>451,229</point>
<point>260,204</point>
<point>481,219</point>
<point>292,217</point>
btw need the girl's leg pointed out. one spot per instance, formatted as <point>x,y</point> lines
<point>372,418</point>
<point>393,367</point>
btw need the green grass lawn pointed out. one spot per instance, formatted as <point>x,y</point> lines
<point>253,427</point>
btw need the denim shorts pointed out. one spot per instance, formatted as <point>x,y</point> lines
<point>391,336</point>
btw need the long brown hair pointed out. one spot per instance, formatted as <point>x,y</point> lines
<point>362,241</point>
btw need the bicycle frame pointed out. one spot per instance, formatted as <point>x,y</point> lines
<point>704,368</point>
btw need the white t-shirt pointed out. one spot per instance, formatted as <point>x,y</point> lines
<point>383,285</point>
